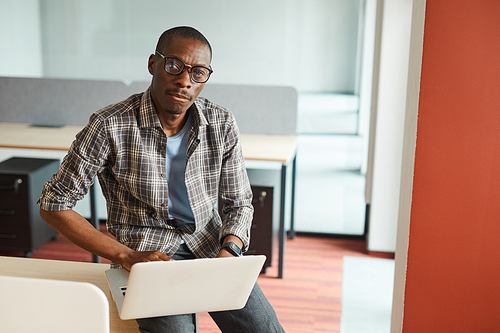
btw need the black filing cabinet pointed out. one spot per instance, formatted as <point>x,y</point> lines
<point>264,234</point>
<point>21,183</point>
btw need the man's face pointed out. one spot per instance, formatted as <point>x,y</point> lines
<point>174,94</point>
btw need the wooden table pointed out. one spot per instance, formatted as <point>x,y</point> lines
<point>69,271</point>
<point>256,147</point>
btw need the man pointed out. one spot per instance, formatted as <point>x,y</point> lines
<point>162,158</point>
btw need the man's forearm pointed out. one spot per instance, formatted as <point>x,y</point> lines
<point>79,231</point>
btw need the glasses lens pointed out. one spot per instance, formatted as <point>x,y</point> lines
<point>173,66</point>
<point>200,74</point>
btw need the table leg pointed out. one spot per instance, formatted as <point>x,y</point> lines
<point>93,216</point>
<point>282,222</point>
<point>196,323</point>
<point>291,232</point>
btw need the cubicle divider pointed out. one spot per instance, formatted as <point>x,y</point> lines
<point>56,102</point>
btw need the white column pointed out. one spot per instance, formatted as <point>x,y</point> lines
<point>389,125</point>
<point>408,162</point>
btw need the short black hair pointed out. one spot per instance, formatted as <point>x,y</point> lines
<point>184,32</point>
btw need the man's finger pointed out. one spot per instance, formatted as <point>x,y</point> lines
<point>162,256</point>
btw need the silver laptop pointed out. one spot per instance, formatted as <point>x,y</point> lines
<point>162,288</point>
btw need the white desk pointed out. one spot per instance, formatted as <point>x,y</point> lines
<point>68,271</point>
<point>256,147</point>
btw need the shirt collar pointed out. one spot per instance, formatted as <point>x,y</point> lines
<point>199,112</point>
<point>147,116</point>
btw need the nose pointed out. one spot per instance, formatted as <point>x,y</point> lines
<point>184,79</point>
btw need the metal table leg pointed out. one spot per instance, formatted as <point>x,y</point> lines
<point>291,233</point>
<point>93,216</point>
<point>282,222</point>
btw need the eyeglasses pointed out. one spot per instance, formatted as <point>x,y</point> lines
<point>174,66</point>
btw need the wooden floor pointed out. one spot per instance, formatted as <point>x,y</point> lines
<point>306,300</point>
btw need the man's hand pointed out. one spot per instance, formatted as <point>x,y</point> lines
<point>224,254</point>
<point>127,260</point>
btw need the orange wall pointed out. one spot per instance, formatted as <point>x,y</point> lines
<point>453,271</point>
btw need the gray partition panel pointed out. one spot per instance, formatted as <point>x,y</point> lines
<point>258,109</point>
<point>42,101</point>
<point>56,101</point>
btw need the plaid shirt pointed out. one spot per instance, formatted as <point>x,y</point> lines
<point>125,146</point>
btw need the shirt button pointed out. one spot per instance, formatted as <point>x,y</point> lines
<point>164,205</point>
<point>162,175</point>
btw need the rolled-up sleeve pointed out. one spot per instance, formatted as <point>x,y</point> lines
<point>86,157</point>
<point>235,191</point>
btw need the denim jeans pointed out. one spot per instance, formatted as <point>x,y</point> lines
<point>257,316</point>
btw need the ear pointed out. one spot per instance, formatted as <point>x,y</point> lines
<point>151,64</point>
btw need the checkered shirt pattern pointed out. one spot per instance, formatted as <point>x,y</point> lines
<point>125,147</point>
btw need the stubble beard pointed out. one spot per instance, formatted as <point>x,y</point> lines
<point>172,112</point>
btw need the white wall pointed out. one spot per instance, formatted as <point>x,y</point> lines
<point>20,38</point>
<point>308,44</point>
<point>389,128</point>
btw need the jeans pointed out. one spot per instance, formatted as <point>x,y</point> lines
<point>257,316</point>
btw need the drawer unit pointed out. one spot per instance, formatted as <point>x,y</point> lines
<point>264,234</point>
<point>21,183</point>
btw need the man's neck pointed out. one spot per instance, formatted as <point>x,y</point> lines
<point>173,123</point>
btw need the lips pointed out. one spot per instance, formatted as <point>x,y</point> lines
<point>179,96</point>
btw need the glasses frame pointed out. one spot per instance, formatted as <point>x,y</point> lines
<point>185,66</point>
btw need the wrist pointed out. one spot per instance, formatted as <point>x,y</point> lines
<point>123,257</point>
<point>232,248</point>
<point>232,238</point>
